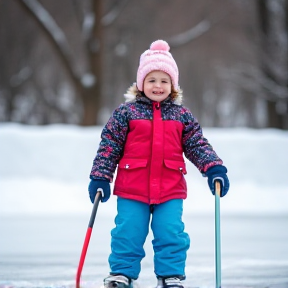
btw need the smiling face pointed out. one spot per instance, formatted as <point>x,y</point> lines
<point>157,85</point>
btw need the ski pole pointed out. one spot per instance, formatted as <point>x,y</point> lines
<point>217,234</point>
<point>87,237</point>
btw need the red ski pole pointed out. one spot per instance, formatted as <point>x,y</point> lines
<point>87,237</point>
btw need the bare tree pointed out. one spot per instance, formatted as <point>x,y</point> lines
<point>88,85</point>
<point>83,55</point>
<point>273,17</point>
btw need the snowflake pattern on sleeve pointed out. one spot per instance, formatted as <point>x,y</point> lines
<point>196,147</point>
<point>111,146</point>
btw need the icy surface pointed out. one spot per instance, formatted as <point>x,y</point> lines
<point>45,209</point>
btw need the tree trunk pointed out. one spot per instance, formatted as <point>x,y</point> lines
<point>274,52</point>
<point>92,95</point>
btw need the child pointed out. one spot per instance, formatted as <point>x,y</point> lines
<point>146,137</point>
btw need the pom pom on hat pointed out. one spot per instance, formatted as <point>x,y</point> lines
<point>157,57</point>
<point>160,45</point>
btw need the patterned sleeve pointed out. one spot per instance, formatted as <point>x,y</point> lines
<point>197,148</point>
<point>111,146</point>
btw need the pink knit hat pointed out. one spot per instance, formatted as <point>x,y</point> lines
<point>157,57</point>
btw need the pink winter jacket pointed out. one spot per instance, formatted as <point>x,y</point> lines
<point>152,167</point>
<point>147,140</point>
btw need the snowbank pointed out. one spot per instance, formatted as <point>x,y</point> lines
<point>45,169</point>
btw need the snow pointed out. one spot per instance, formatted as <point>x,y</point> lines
<point>88,80</point>
<point>45,170</point>
<point>44,174</point>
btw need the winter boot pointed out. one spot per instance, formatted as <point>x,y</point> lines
<point>169,282</point>
<point>117,281</point>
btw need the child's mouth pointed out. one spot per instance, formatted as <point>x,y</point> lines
<point>158,93</point>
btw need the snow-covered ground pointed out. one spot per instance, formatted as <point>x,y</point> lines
<point>45,208</point>
<point>45,169</point>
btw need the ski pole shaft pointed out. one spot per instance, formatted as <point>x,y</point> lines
<point>217,234</point>
<point>87,238</point>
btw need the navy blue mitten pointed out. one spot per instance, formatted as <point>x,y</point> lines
<point>99,185</point>
<point>218,172</point>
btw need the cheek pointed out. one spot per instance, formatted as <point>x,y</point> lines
<point>146,87</point>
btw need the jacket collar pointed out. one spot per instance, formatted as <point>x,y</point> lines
<point>145,99</point>
<point>131,93</point>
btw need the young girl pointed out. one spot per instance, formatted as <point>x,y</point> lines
<point>146,137</point>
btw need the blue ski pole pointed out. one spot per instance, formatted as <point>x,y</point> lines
<point>217,234</point>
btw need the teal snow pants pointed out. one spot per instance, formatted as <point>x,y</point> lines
<point>170,242</point>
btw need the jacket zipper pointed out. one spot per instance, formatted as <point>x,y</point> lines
<point>156,155</point>
<point>156,105</point>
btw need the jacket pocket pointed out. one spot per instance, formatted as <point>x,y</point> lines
<point>173,181</point>
<point>132,176</point>
<point>132,163</point>
<point>176,165</point>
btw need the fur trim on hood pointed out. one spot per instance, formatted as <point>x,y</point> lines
<point>132,92</point>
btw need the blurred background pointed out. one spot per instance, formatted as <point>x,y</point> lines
<point>71,61</point>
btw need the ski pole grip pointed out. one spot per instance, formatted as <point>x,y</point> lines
<point>95,207</point>
<point>218,188</point>
<point>98,195</point>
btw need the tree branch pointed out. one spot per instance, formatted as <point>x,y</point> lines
<point>191,34</point>
<point>195,32</point>
<point>112,15</point>
<point>54,34</point>
<point>252,79</point>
